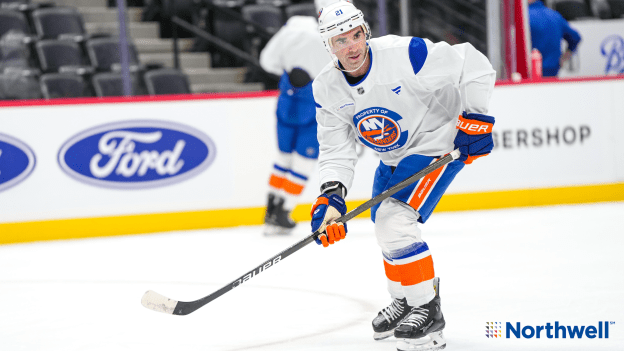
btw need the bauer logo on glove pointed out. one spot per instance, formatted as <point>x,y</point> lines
<point>474,137</point>
<point>325,210</point>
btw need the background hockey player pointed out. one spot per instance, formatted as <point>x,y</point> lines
<point>411,101</point>
<point>296,53</point>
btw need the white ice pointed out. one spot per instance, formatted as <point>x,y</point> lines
<point>533,266</point>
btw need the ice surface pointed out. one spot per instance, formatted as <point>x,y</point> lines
<point>532,266</point>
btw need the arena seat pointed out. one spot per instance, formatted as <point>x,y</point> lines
<point>572,9</point>
<point>276,3</point>
<point>166,81</point>
<point>13,21</point>
<point>600,9</point>
<point>57,55</point>
<point>305,9</point>
<point>105,55</point>
<point>63,85</point>
<point>617,8</point>
<point>55,22</point>
<point>267,16</point>
<point>233,32</point>
<point>111,84</point>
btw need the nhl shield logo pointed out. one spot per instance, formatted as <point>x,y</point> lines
<point>378,128</point>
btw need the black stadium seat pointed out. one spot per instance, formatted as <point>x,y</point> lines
<point>55,22</point>
<point>267,16</point>
<point>13,21</point>
<point>305,9</point>
<point>230,30</point>
<point>5,2</point>
<point>166,81</point>
<point>234,33</point>
<point>228,3</point>
<point>16,84</point>
<point>63,85</point>
<point>617,8</point>
<point>572,9</point>
<point>55,55</point>
<point>105,55</point>
<point>600,9</point>
<point>111,84</point>
<point>276,3</point>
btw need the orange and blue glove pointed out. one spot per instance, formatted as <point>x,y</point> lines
<point>474,137</point>
<point>325,210</point>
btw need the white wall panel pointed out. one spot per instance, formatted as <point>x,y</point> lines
<point>584,121</point>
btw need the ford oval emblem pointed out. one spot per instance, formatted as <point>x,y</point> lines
<point>137,154</point>
<point>17,161</point>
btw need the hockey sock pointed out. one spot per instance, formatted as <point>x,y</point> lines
<point>415,267</point>
<point>394,279</point>
<point>296,179</point>
<point>280,171</point>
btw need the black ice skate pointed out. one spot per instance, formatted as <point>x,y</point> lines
<point>389,318</point>
<point>277,220</point>
<point>422,329</point>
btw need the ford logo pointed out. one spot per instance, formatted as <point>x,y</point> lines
<point>17,161</point>
<point>136,154</point>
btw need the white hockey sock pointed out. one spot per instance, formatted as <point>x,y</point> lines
<point>395,289</point>
<point>419,294</point>
<point>297,178</point>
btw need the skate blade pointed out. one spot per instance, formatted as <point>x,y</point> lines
<point>270,230</point>
<point>383,335</point>
<point>431,342</point>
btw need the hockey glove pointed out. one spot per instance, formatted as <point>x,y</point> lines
<point>324,211</point>
<point>474,137</point>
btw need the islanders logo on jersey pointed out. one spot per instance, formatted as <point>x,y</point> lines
<point>379,129</point>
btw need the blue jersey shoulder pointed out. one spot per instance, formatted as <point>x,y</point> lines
<point>417,53</point>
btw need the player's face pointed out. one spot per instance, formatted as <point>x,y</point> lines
<point>350,48</point>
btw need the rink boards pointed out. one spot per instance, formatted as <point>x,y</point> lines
<point>98,167</point>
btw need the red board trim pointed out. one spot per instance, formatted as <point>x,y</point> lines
<point>135,99</point>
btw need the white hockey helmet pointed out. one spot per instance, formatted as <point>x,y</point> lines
<point>338,18</point>
<point>319,4</point>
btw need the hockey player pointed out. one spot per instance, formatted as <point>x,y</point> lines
<point>296,53</point>
<point>411,101</point>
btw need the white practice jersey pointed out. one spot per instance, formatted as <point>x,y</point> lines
<point>297,44</point>
<point>408,103</point>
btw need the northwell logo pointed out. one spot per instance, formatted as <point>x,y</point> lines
<point>549,331</point>
<point>493,329</point>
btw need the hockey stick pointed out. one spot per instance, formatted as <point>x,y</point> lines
<point>159,303</point>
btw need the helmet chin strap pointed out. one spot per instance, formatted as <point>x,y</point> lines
<point>360,66</point>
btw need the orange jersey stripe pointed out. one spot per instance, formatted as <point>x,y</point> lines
<point>473,127</point>
<point>392,272</point>
<point>416,272</point>
<point>424,188</point>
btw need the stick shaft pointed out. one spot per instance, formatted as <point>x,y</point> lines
<point>184,308</point>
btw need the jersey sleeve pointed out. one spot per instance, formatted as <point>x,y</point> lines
<point>271,55</point>
<point>570,35</point>
<point>465,65</point>
<point>337,157</point>
<point>477,78</point>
